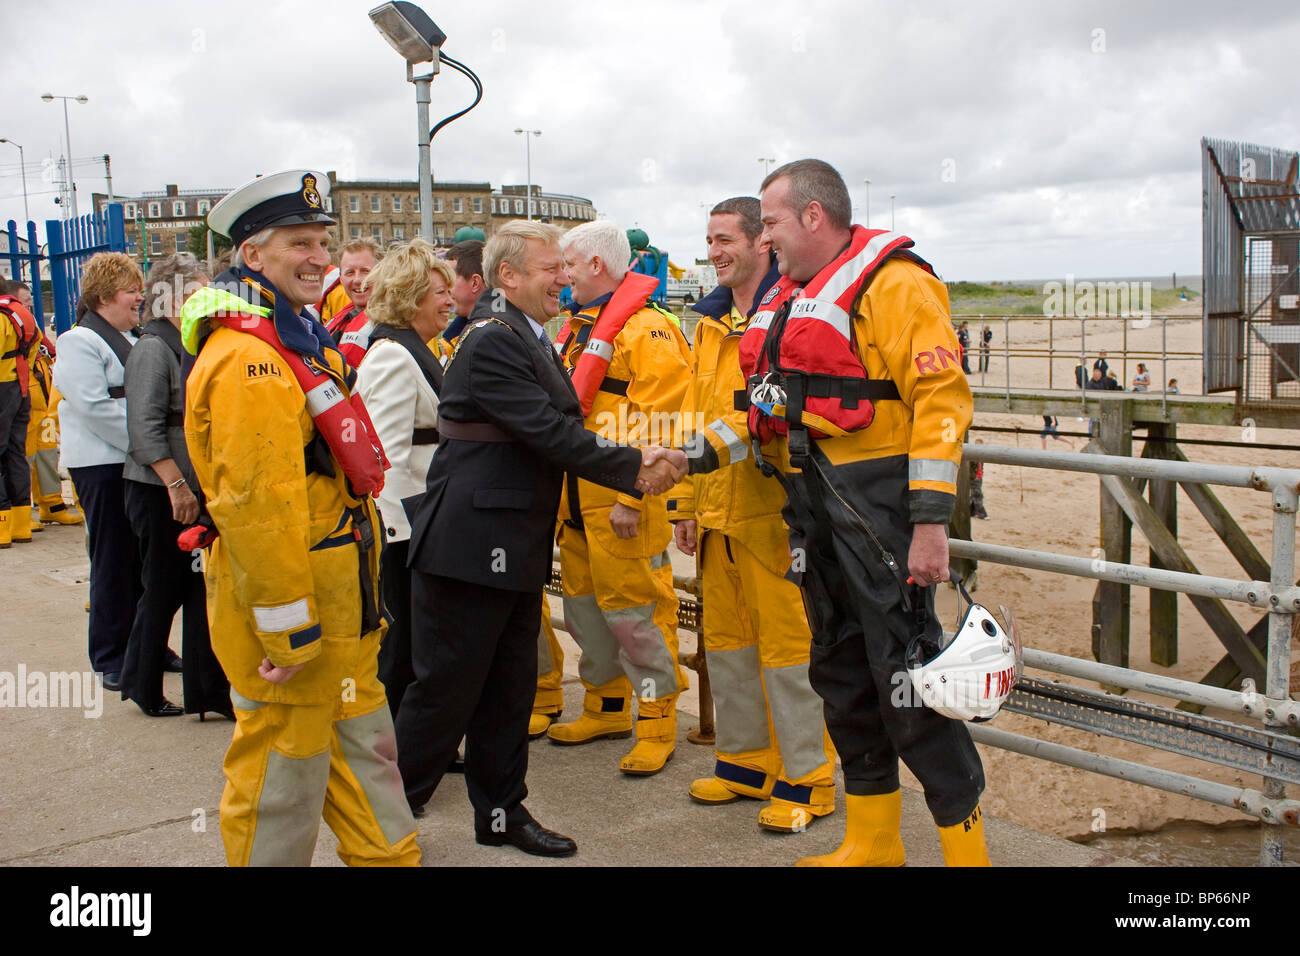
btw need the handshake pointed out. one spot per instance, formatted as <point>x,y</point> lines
<point>661,468</point>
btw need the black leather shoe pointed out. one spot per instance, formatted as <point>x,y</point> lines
<point>112,680</point>
<point>531,837</point>
<point>228,712</point>
<point>165,709</point>
<point>173,663</point>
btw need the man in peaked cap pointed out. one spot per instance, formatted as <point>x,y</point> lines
<point>286,463</point>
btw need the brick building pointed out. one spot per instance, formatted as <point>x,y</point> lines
<point>158,223</point>
<point>389,210</point>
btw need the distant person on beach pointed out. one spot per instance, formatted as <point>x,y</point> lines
<point>986,337</point>
<point>1097,381</point>
<point>1111,382</point>
<point>1142,380</point>
<point>1101,362</point>
<point>1172,387</point>
<point>1049,431</point>
<point>963,339</point>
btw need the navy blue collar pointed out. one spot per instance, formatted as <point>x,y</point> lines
<point>299,331</point>
<point>717,304</point>
<point>594,303</point>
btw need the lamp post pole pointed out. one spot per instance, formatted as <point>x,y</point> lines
<point>767,165</point>
<point>67,138</point>
<point>891,212</point>
<point>528,135</point>
<point>22,167</point>
<point>868,182</point>
<point>422,96</point>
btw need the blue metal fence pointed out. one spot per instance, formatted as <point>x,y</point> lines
<point>31,259</point>
<point>72,242</point>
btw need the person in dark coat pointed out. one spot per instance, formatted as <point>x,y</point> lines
<point>510,426</point>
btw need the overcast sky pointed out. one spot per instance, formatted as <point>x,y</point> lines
<point>1021,140</point>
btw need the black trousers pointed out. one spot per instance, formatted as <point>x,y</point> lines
<point>395,668</point>
<point>172,580</point>
<point>15,476</point>
<point>474,649</point>
<point>114,563</point>
<point>860,629</point>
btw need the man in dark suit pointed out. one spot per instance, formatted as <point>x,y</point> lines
<point>480,552</point>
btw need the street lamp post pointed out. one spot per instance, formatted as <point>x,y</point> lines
<point>528,135</point>
<point>27,216</point>
<point>891,212</point>
<point>767,165</point>
<point>411,32</point>
<point>67,138</point>
<point>868,182</point>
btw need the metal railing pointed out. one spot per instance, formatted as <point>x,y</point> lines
<point>1023,350</point>
<point>1271,752</point>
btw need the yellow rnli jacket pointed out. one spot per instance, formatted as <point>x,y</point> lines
<point>739,502</point>
<point>282,578</point>
<point>651,364</point>
<point>903,330</point>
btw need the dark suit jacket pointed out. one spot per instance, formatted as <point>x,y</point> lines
<point>488,512</point>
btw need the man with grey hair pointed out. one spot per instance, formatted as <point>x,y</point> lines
<point>630,366</point>
<point>480,547</point>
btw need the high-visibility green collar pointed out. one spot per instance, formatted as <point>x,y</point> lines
<point>208,301</point>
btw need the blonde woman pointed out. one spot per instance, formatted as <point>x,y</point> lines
<point>399,378</point>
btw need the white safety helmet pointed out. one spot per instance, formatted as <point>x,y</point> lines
<point>972,672</point>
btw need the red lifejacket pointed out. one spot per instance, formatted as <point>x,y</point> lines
<point>798,354</point>
<point>598,349</point>
<point>353,337</point>
<point>26,331</point>
<point>335,325</point>
<point>341,419</point>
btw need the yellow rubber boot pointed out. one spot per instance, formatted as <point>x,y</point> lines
<point>6,532</point>
<point>872,833</point>
<point>656,737</point>
<point>538,724</point>
<point>963,844</point>
<point>606,712</point>
<point>793,808</point>
<point>54,511</point>
<point>20,523</point>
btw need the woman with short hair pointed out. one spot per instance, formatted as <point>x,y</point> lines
<point>90,374</point>
<point>410,304</point>
<point>161,500</point>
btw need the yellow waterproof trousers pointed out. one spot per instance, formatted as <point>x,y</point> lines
<point>622,612</point>
<point>771,737</point>
<point>550,666</point>
<point>290,764</point>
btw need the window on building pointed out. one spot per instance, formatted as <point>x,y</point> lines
<point>458,205</point>
<point>354,204</point>
<point>356,232</point>
<point>155,244</point>
<point>478,204</point>
<point>376,203</point>
<point>178,208</point>
<point>128,210</point>
<point>329,203</point>
<point>415,203</point>
<point>378,233</point>
<point>519,207</point>
<point>546,208</point>
<point>205,206</point>
<point>130,244</point>
<point>397,204</point>
<point>182,240</point>
<point>532,207</point>
<point>437,204</point>
<point>399,233</point>
<point>155,210</point>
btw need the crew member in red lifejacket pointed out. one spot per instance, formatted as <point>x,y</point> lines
<point>20,340</point>
<point>859,405</point>
<point>350,328</point>
<point>287,460</point>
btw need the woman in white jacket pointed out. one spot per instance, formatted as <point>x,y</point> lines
<point>399,377</point>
